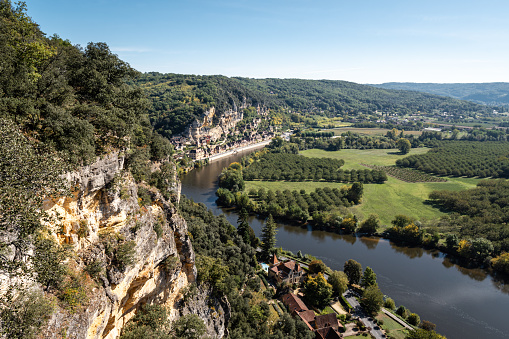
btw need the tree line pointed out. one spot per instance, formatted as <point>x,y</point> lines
<point>292,167</point>
<point>463,158</point>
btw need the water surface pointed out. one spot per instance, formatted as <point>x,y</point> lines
<point>463,303</point>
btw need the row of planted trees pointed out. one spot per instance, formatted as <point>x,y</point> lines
<point>293,167</point>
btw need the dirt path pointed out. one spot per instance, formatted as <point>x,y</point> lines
<point>338,308</point>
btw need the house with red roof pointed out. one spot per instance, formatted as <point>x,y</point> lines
<point>325,326</point>
<point>289,271</point>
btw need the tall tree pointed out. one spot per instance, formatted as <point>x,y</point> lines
<point>354,194</point>
<point>243,228</point>
<point>372,300</point>
<point>317,290</point>
<point>269,237</point>
<point>403,145</point>
<point>369,225</point>
<point>338,281</point>
<point>353,271</point>
<point>368,278</point>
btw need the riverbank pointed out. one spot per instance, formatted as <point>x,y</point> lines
<point>228,153</point>
<point>426,282</point>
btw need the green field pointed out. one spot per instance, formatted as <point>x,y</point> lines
<point>387,200</point>
<point>354,157</point>
<point>395,329</point>
<point>366,131</point>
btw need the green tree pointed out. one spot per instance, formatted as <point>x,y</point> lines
<point>501,263</point>
<point>414,319</point>
<point>353,271</point>
<point>389,304</point>
<point>212,271</point>
<point>372,300</point>
<point>370,225</point>
<point>481,248</point>
<point>269,231</point>
<point>317,266</point>
<point>27,175</point>
<point>23,313</point>
<point>47,263</point>
<point>232,179</point>
<point>403,145</point>
<point>368,278</point>
<point>189,326</point>
<point>402,311</point>
<point>317,290</point>
<point>423,334</point>
<point>402,220</point>
<point>355,192</point>
<point>149,322</point>
<point>243,228</point>
<point>338,281</point>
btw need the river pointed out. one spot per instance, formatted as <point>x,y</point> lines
<point>463,303</point>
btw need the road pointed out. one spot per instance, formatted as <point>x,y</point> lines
<point>376,332</point>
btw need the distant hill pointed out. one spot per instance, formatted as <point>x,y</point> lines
<point>491,93</point>
<point>178,99</point>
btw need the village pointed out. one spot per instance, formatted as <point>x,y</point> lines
<point>215,135</point>
<point>341,316</point>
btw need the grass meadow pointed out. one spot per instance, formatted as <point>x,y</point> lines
<point>386,200</point>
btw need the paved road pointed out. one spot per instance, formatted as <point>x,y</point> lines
<point>363,317</point>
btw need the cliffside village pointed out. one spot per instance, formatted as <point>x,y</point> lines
<point>325,326</point>
<point>215,135</point>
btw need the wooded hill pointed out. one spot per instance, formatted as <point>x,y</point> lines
<point>178,99</point>
<point>71,99</point>
<point>494,93</point>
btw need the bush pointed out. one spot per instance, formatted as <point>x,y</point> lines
<point>23,315</point>
<point>125,254</point>
<point>83,230</point>
<point>144,197</point>
<point>170,263</point>
<point>402,312</point>
<point>158,229</point>
<point>95,269</point>
<point>414,319</point>
<point>73,292</point>
<point>389,304</point>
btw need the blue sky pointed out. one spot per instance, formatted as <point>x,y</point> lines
<point>364,41</point>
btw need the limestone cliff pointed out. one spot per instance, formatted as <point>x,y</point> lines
<point>103,216</point>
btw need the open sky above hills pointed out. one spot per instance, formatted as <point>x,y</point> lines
<point>367,41</point>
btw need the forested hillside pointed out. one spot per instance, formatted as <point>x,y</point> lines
<point>340,97</point>
<point>178,99</point>
<point>72,100</point>
<point>494,93</point>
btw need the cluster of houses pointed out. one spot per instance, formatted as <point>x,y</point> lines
<point>325,326</point>
<point>207,137</point>
<point>209,150</point>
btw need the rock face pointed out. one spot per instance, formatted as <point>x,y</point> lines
<point>102,218</point>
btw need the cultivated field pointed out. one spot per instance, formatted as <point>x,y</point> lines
<point>387,200</point>
<point>366,131</point>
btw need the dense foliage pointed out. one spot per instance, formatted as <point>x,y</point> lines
<point>27,176</point>
<point>463,158</point>
<point>179,99</point>
<point>406,174</point>
<point>338,97</point>
<point>227,263</point>
<point>484,213</point>
<point>75,100</point>
<point>292,167</point>
<point>293,205</point>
